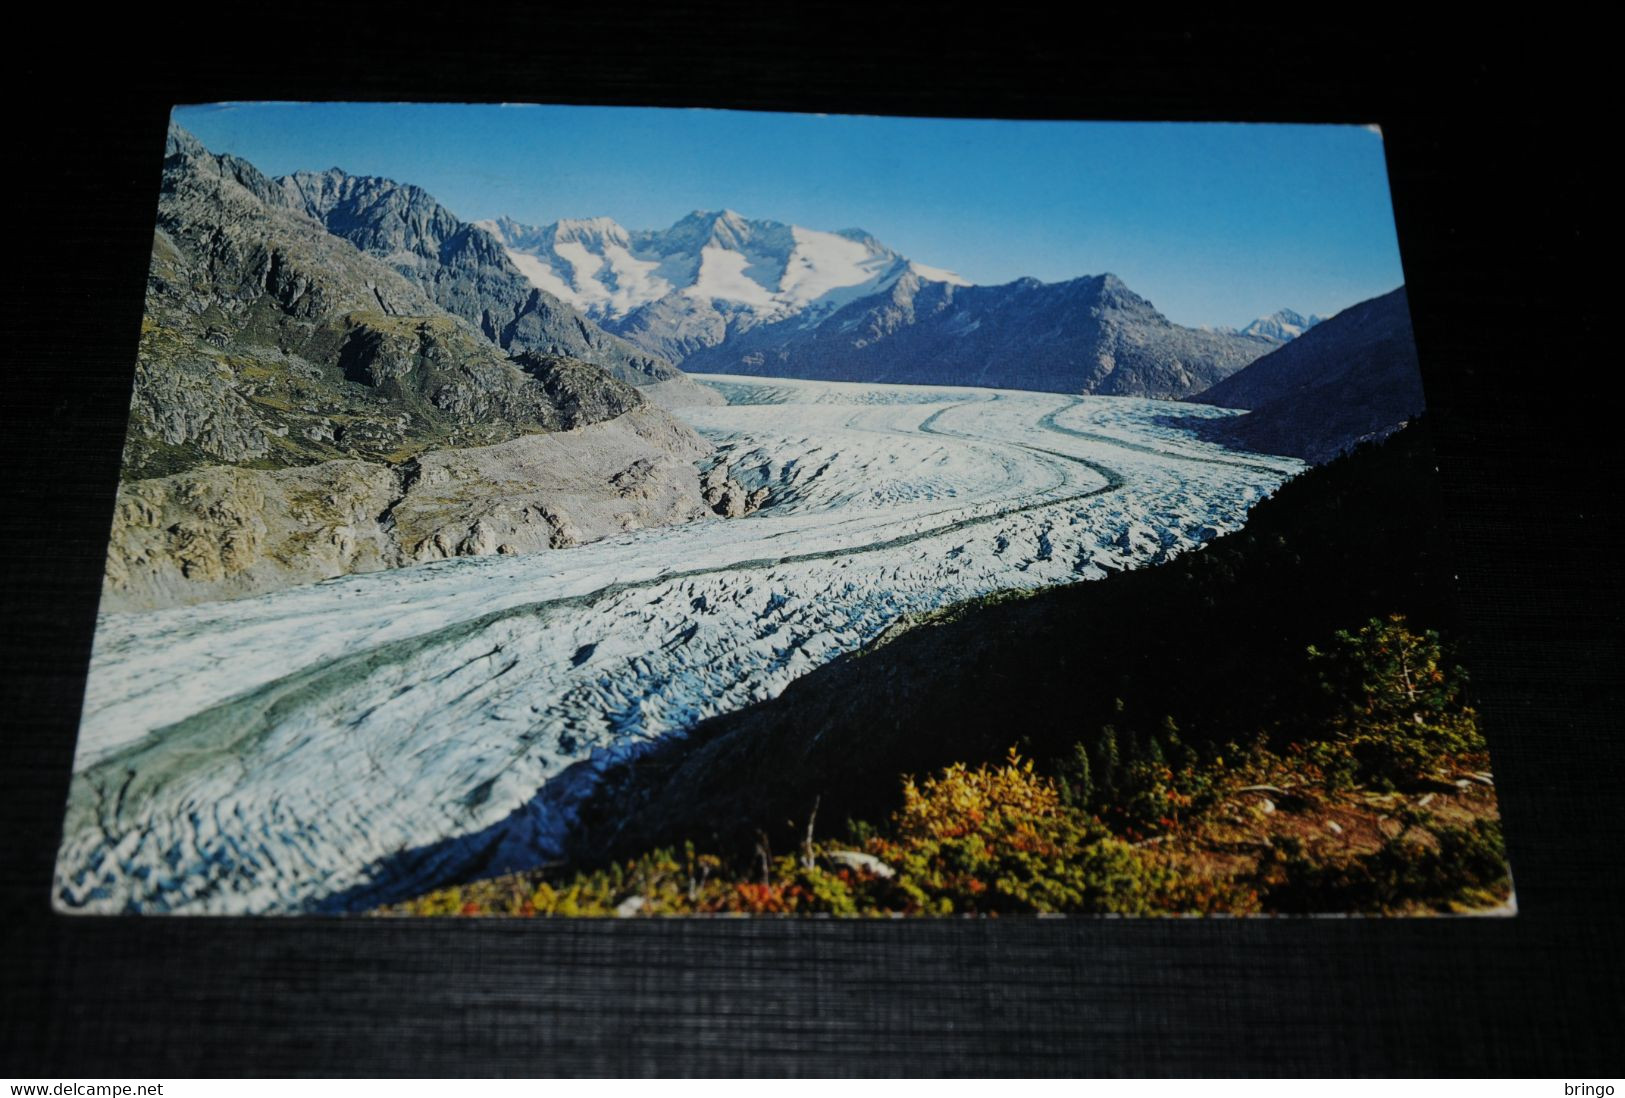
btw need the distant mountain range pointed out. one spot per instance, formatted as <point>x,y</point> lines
<point>720,293</point>
<point>467,272</point>
<point>1089,335</point>
<point>1350,379</point>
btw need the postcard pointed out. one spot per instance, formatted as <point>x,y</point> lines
<point>535,511</point>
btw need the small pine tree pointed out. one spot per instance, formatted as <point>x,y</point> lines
<point>1180,756</point>
<point>1106,760</point>
<point>1077,779</point>
<point>1397,707</point>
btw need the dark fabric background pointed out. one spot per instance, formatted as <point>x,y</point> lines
<point>1492,157</point>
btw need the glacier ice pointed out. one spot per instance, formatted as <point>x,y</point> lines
<point>362,739</point>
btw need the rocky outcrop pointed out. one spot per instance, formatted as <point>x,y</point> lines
<point>677,326</point>
<point>550,491</point>
<point>268,340</point>
<point>219,532</point>
<point>727,497</point>
<point>683,392</point>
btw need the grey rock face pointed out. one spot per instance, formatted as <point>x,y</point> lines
<point>683,392</point>
<point>266,339</point>
<point>463,269</point>
<point>551,491</point>
<point>676,326</point>
<point>219,532</point>
<point>1349,379</point>
<point>1089,335</point>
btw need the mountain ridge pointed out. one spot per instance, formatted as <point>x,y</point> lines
<point>1090,334</point>
<point>1349,379</point>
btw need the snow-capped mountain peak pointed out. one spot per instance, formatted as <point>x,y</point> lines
<point>720,228</point>
<point>1282,326</point>
<point>711,272</point>
<point>590,230</point>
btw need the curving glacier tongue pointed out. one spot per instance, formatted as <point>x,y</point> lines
<point>343,744</point>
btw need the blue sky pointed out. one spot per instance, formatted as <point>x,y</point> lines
<point>1214,223</point>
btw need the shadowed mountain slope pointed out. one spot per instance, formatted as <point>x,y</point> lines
<point>1348,379</point>
<point>1200,639</point>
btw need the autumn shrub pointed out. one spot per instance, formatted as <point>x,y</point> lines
<point>998,839</point>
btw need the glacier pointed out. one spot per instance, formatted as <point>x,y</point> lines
<point>330,747</point>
